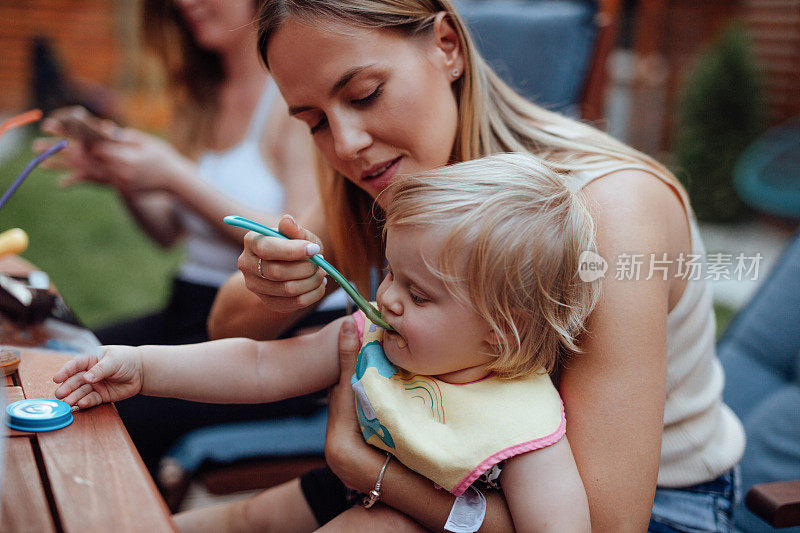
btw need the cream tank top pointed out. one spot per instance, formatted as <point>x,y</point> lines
<point>702,438</point>
<point>240,173</point>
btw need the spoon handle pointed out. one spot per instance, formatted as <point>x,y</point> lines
<point>372,313</point>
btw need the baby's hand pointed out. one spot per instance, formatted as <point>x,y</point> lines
<point>89,380</point>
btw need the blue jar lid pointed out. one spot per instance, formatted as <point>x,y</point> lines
<point>38,414</point>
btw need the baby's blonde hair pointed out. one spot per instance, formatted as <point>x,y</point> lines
<point>522,230</point>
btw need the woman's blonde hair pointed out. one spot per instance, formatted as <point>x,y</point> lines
<point>514,233</point>
<point>492,117</point>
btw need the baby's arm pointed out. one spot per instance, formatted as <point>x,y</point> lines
<point>224,371</point>
<point>242,370</point>
<point>544,491</point>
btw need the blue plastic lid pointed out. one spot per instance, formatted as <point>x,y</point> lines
<point>38,414</point>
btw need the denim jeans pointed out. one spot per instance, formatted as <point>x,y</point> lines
<point>699,508</point>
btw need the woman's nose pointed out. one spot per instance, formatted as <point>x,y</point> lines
<point>350,138</point>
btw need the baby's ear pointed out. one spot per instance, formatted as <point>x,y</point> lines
<point>506,334</point>
<point>492,338</point>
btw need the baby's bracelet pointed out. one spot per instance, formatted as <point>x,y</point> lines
<point>375,494</point>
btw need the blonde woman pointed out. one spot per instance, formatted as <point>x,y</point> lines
<point>393,87</point>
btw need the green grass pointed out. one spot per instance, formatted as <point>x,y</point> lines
<point>82,236</point>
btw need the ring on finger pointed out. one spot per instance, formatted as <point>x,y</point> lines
<point>259,268</point>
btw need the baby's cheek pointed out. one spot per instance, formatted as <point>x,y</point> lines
<point>391,354</point>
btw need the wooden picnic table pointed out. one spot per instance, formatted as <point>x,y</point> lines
<point>85,477</point>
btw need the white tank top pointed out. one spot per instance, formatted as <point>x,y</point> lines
<point>241,173</point>
<point>702,438</point>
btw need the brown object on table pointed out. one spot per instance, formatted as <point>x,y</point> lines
<point>66,330</point>
<point>776,503</point>
<point>9,361</point>
<point>84,477</point>
<point>10,332</point>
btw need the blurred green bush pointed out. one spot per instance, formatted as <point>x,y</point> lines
<point>720,111</point>
<point>105,267</point>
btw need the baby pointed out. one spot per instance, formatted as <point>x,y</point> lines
<point>484,297</point>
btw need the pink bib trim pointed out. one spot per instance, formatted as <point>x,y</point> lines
<point>489,462</point>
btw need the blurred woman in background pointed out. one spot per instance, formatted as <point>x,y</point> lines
<point>234,150</point>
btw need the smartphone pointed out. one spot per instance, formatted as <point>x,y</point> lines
<point>78,123</point>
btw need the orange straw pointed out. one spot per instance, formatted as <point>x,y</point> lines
<point>20,120</point>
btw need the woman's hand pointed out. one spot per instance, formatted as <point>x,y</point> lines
<point>73,159</point>
<point>285,281</point>
<point>138,162</point>
<point>81,129</point>
<point>89,380</point>
<point>128,159</point>
<point>354,461</point>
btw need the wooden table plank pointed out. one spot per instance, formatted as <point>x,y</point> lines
<point>26,508</point>
<point>14,394</point>
<point>92,491</point>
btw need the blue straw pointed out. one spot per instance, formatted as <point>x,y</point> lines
<point>36,160</point>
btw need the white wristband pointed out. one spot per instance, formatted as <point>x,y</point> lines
<point>467,513</point>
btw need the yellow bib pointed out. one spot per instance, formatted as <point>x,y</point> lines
<point>450,433</point>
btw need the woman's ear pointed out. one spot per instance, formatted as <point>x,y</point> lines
<point>447,42</point>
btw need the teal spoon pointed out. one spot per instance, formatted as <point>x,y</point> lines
<point>373,314</point>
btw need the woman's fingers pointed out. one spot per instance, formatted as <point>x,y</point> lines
<point>52,127</point>
<point>125,146</point>
<point>72,178</point>
<point>348,350</point>
<point>345,449</point>
<point>70,157</point>
<point>341,406</point>
<point>293,288</point>
<point>289,227</point>
<point>278,270</point>
<point>283,272</point>
<point>275,248</point>
<point>43,144</point>
<point>281,297</point>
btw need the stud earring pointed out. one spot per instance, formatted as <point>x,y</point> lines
<point>455,72</point>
